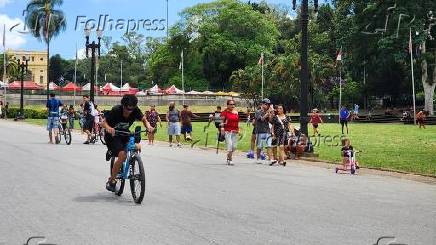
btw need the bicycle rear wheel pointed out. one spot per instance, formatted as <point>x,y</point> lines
<point>119,188</point>
<point>67,136</point>
<point>137,179</point>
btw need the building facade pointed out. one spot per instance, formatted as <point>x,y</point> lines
<point>37,64</point>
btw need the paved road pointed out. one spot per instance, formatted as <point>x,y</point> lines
<point>192,198</point>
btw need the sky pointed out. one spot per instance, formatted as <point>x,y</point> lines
<point>141,15</point>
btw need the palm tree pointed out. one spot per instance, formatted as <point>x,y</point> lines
<point>11,67</point>
<point>45,22</point>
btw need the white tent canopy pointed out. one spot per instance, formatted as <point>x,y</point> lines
<point>155,90</point>
<point>125,87</point>
<point>193,92</point>
<point>141,93</point>
<point>110,87</point>
<point>2,84</point>
<point>174,90</point>
<point>52,86</point>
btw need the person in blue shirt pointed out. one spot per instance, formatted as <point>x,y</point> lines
<point>53,105</point>
<point>344,114</point>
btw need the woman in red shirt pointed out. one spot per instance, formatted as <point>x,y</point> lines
<point>315,119</point>
<point>230,129</point>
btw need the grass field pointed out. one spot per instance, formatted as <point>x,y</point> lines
<point>384,146</point>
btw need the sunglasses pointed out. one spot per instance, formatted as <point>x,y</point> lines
<point>230,104</point>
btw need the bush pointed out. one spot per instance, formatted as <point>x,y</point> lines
<point>28,113</point>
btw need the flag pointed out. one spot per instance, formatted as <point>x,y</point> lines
<point>339,55</point>
<point>410,42</point>
<point>181,62</point>
<point>261,60</point>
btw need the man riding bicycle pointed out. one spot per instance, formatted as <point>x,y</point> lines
<point>120,118</point>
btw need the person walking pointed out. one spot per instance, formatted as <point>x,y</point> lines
<point>153,118</point>
<point>281,126</point>
<point>230,128</point>
<point>53,105</point>
<point>344,115</point>
<point>173,120</point>
<point>6,110</point>
<point>263,131</point>
<point>315,120</point>
<point>420,118</point>
<point>71,116</point>
<point>186,116</point>
<point>88,112</point>
<point>1,109</point>
<point>216,118</point>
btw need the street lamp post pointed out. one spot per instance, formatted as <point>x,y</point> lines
<point>93,47</point>
<point>23,69</point>
<point>304,75</point>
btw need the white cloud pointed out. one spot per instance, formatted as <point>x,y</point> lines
<point>14,39</point>
<point>4,2</point>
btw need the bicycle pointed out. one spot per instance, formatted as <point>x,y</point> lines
<point>98,132</point>
<point>132,168</point>
<point>63,130</point>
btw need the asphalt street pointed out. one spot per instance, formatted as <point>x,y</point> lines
<point>192,197</point>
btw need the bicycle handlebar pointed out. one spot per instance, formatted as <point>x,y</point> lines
<point>118,132</point>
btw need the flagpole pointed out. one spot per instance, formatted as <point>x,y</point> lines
<point>340,90</point>
<point>121,82</point>
<point>263,78</point>
<point>4,64</point>
<point>413,76</point>
<point>183,79</point>
<point>75,78</point>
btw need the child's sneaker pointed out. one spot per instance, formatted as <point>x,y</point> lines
<point>250,155</point>
<point>262,156</point>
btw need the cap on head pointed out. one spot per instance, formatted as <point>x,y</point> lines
<point>266,101</point>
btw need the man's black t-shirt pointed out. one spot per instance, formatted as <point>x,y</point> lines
<point>115,118</point>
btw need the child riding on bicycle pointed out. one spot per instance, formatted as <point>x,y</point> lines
<point>120,118</point>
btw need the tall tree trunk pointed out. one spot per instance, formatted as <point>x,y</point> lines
<point>428,85</point>
<point>48,66</point>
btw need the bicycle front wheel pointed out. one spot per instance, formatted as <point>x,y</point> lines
<point>119,188</point>
<point>67,136</point>
<point>137,179</point>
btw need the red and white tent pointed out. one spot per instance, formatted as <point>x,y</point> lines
<point>156,90</point>
<point>27,85</point>
<point>70,87</point>
<point>109,87</point>
<point>87,87</point>
<point>53,86</point>
<point>173,90</point>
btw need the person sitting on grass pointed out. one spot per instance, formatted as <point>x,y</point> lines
<point>347,152</point>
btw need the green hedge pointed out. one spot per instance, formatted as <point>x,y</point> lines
<point>28,113</point>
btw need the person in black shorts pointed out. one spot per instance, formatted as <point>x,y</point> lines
<point>120,118</point>
<point>88,124</point>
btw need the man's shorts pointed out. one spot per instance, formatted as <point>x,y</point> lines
<point>186,129</point>
<point>88,123</point>
<point>116,144</point>
<point>315,125</point>
<point>174,128</point>
<point>52,123</point>
<point>264,140</point>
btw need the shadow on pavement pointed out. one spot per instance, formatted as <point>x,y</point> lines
<point>104,197</point>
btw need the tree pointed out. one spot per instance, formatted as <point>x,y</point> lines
<point>12,72</point>
<point>45,22</point>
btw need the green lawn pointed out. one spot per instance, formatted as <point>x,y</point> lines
<point>385,146</point>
